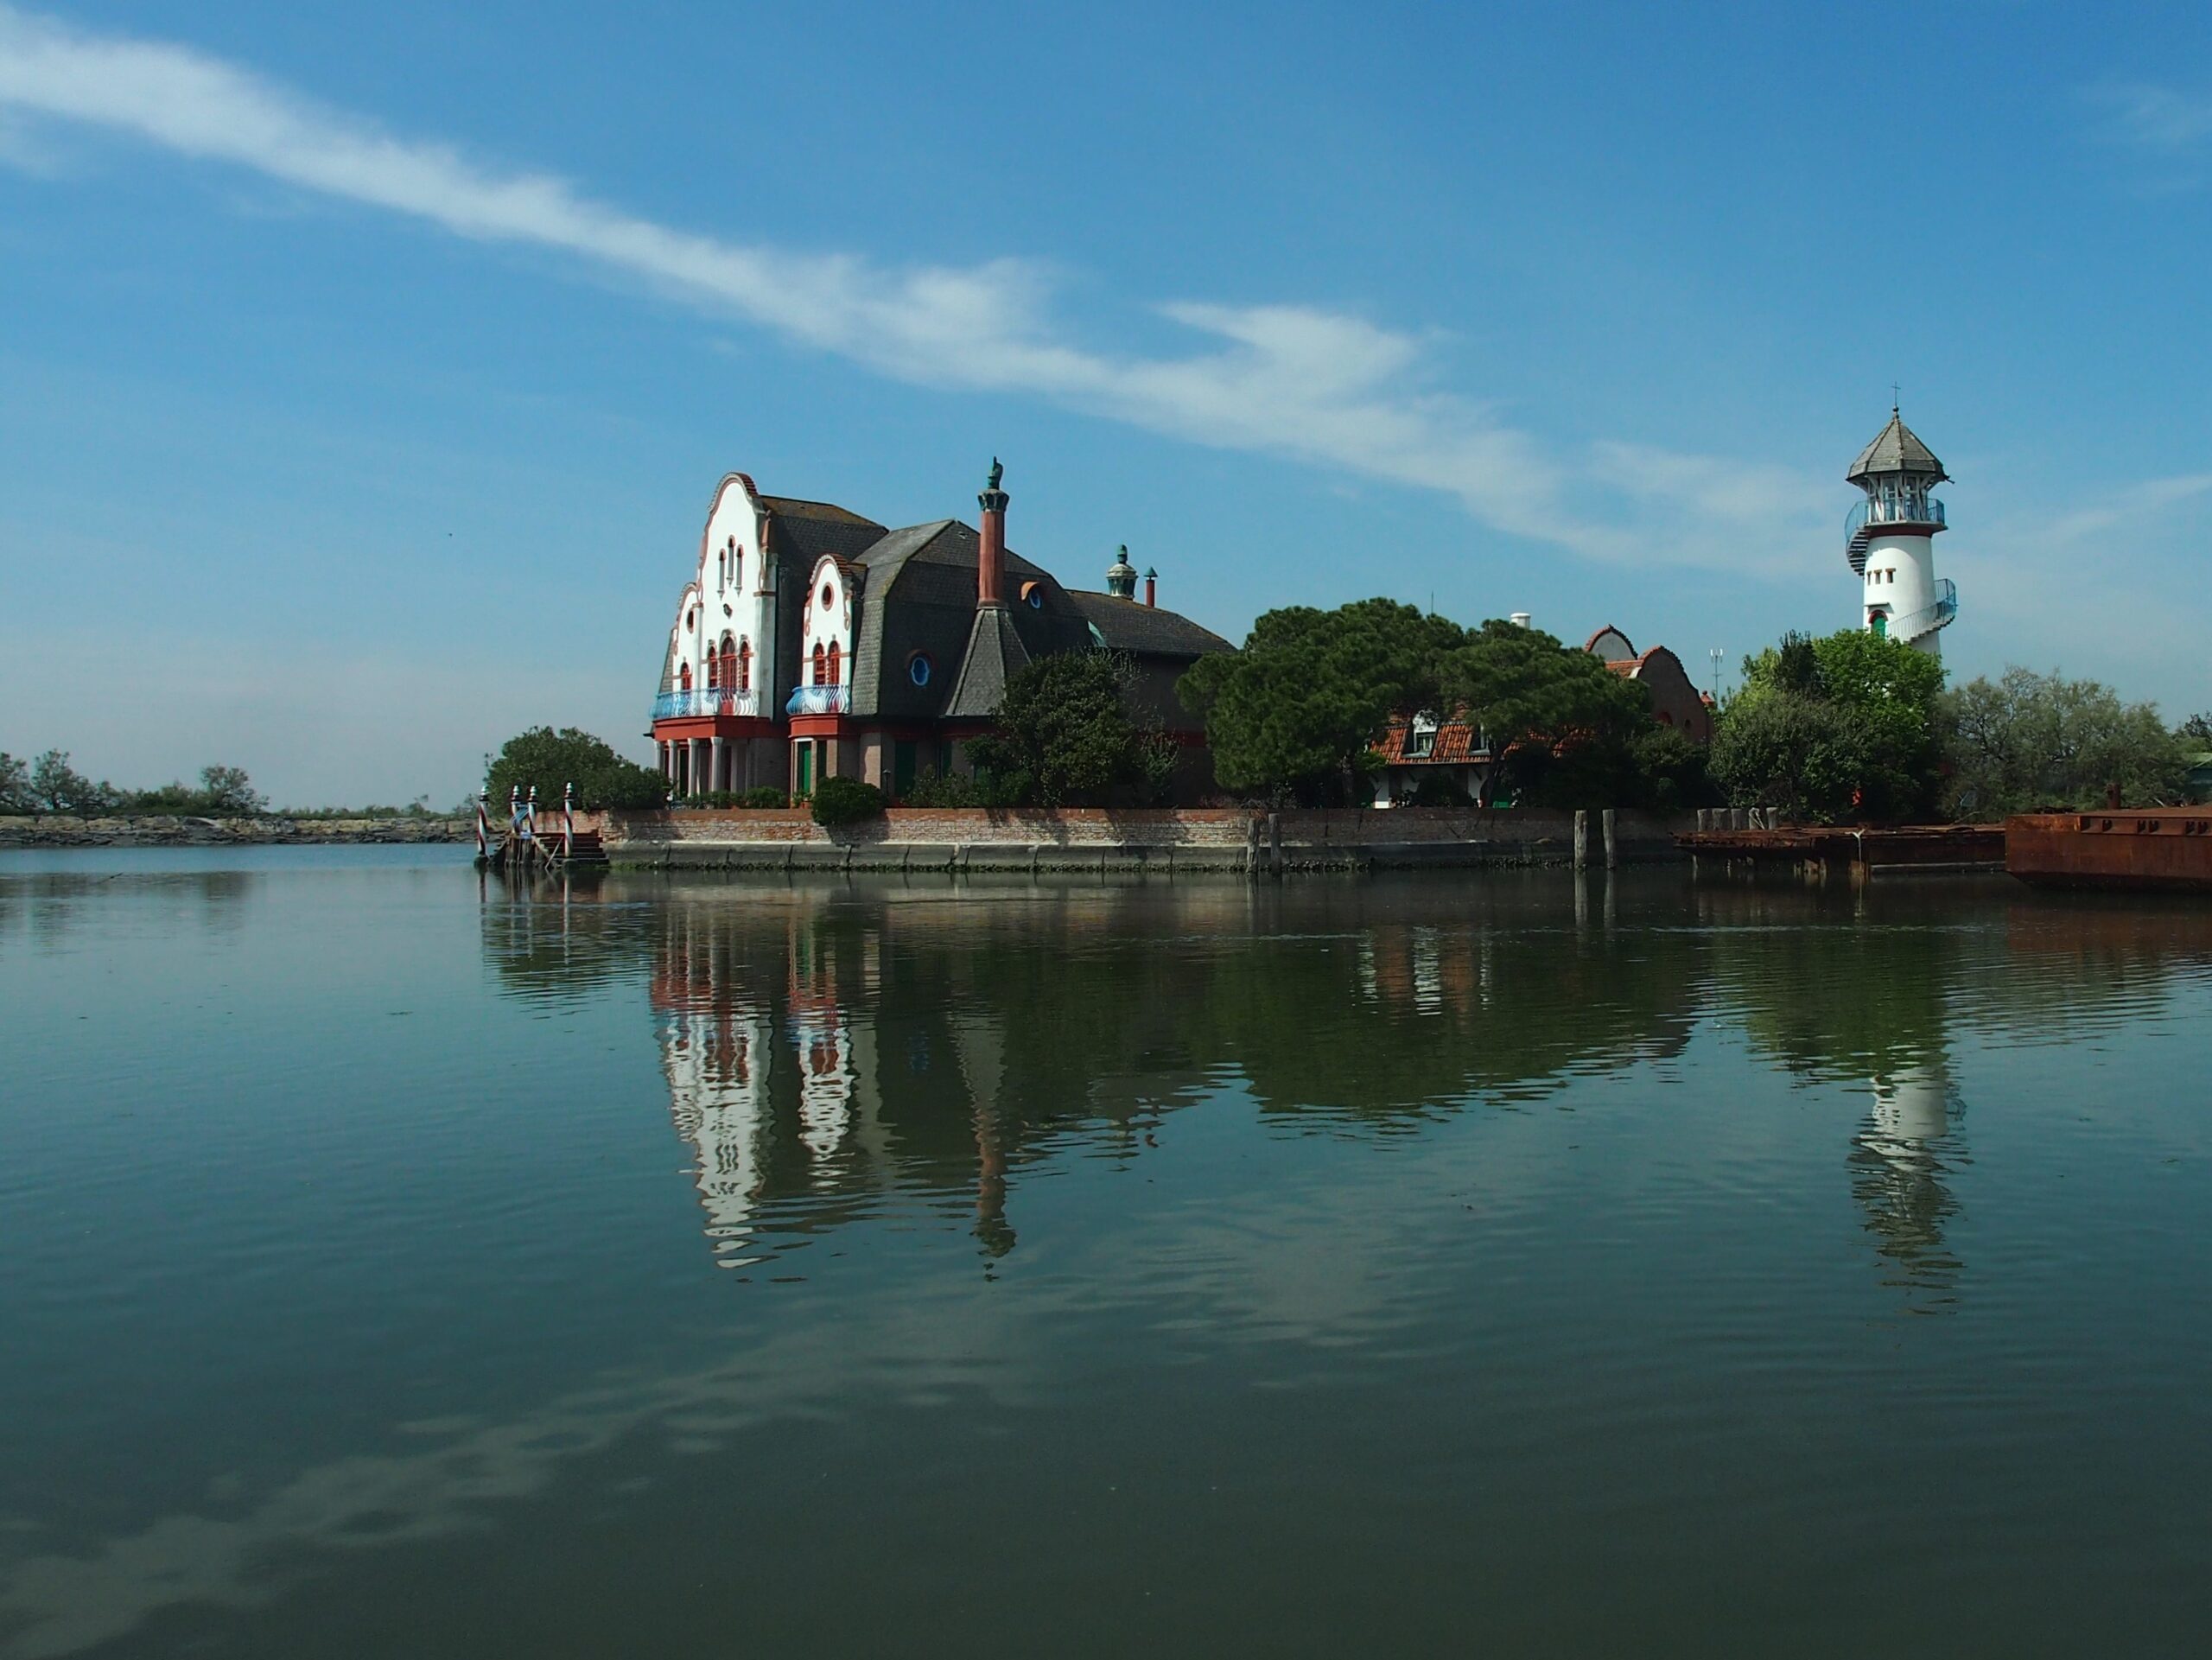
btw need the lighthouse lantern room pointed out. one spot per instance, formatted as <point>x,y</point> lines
<point>1890,539</point>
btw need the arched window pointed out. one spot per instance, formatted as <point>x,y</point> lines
<point>713,678</point>
<point>736,567</point>
<point>686,681</point>
<point>729,663</point>
<point>836,677</point>
<point>745,665</point>
<point>820,661</point>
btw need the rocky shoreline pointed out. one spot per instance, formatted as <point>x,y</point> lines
<point>161,829</point>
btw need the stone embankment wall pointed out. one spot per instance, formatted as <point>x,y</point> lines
<point>1090,838</point>
<point>162,829</point>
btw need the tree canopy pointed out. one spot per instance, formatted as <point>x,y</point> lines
<point>1063,736</point>
<point>1565,728</point>
<point>2027,740</point>
<point>1842,728</point>
<point>1296,714</point>
<point>549,759</point>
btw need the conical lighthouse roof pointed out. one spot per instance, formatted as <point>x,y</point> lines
<point>1896,448</point>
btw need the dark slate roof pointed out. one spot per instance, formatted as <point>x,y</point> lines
<point>800,533</point>
<point>1894,449</point>
<point>993,656</point>
<point>1144,630</point>
<point>826,512</point>
<point>919,599</point>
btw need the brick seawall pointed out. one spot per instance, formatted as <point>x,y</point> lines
<point>1092,838</point>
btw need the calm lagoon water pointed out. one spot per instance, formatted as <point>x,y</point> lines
<point>396,1265</point>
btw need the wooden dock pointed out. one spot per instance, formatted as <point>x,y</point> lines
<point>1819,850</point>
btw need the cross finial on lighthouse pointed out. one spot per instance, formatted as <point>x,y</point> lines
<point>1893,398</point>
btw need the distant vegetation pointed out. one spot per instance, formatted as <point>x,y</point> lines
<point>1854,727</point>
<point>2026,740</point>
<point>51,785</point>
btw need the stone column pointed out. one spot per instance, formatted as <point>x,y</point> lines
<point>718,766</point>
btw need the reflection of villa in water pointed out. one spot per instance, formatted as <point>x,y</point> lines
<point>826,1049</point>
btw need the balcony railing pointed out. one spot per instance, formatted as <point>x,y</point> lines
<point>705,700</point>
<point>819,700</point>
<point>1865,522</point>
<point>1876,510</point>
<point>1927,621</point>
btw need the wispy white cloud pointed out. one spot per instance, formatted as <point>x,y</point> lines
<point>2168,131</point>
<point>1322,387</point>
<point>2157,117</point>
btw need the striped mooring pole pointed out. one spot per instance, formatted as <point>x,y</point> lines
<point>514,819</point>
<point>483,829</point>
<point>568,821</point>
<point>530,807</point>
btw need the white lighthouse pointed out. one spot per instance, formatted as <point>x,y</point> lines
<point>1890,538</point>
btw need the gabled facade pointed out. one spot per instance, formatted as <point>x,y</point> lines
<point>848,650</point>
<point>1675,700</point>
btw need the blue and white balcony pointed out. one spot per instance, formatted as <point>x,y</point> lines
<point>819,700</point>
<point>705,700</point>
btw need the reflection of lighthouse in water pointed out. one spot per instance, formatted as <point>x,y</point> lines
<point>1900,1159</point>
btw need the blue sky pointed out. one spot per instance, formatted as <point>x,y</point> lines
<point>365,371</point>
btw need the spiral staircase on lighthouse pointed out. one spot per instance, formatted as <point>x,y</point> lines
<point>1898,474</point>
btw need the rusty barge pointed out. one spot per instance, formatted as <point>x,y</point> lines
<point>2167,849</point>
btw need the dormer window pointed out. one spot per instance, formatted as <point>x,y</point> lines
<point>1421,738</point>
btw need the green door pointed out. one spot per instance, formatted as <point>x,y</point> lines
<point>902,769</point>
<point>1882,624</point>
<point>805,768</point>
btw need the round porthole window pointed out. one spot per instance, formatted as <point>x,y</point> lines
<point>827,596</point>
<point>1036,597</point>
<point>917,668</point>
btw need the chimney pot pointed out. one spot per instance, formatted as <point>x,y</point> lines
<point>1152,588</point>
<point>990,559</point>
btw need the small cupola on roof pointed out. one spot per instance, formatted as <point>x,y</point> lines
<point>1122,575</point>
<point>1896,448</point>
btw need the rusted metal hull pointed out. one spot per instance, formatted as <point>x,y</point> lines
<point>2163,848</point>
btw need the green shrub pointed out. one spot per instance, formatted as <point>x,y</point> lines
<point>846,801</point>
<point>764,796</point>
<point>941,789</point>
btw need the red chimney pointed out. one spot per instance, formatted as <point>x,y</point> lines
<point>990,561</point>
<point>1152,588</point>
